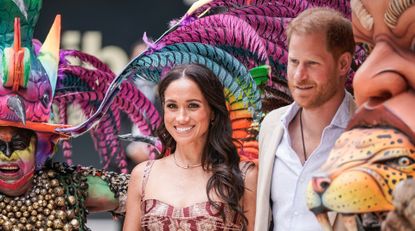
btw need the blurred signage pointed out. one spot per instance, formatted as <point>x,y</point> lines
<point>108,29</point>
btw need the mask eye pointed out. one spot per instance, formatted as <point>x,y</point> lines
<point>20,141</point>
<point>45,100</point>
<point>399,162</point>
<point>19,145</point>
<point>3,146</point>
<point>404,161</point>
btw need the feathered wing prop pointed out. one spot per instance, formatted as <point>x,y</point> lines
<point>230,37</point>
<point>83,81</point>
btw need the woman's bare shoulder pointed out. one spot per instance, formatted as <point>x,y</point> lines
<point>138,170</point>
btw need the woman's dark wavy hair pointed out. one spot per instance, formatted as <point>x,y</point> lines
<point>220,155</point>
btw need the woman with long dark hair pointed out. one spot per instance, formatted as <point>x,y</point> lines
<point>198,183</point>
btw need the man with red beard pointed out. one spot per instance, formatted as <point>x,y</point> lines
<point>295,140</point>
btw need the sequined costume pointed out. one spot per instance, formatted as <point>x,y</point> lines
<point>56,200</point>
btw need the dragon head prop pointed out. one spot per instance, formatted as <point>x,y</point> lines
<point>28,75</point>
<point>377,151</point>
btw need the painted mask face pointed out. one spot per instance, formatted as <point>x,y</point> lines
<point>313,74</point>
<point>17,160</point>
<point>377,151</point>
<point>387,77</point>
<point>187,114</point>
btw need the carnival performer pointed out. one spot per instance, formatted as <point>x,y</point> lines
<point>36,194</point>
<point>199,184</point>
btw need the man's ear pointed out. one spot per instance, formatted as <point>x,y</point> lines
<point>344,63</point>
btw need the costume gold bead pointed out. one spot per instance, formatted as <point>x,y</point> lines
<point>61,215</point>
<point>51,174</point>
<point>51,217</point>
<point>46,212</point>
<point>32,219</point>
<point>23,220</point>
<point>60,201</point>
<point>70,214</point>
<point>54,183</point>
<point>57,224</point>
<point>38,224</point>
<point>75,223</point>
<point>29,226</point>
<point>67,227</point>
<point>7,225</point>
<point>49,223</point>
<point>71,200</point>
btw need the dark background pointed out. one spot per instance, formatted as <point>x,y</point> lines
<point>121,23</point>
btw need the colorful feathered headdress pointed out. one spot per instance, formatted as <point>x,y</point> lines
<point>37,76</point>
<point>242,42</point>
<point>28,78</point>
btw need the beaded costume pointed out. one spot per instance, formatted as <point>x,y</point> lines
<point>36,194</point>
<point>56,201</point>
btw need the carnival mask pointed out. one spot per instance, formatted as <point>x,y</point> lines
<point>377,151</point>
